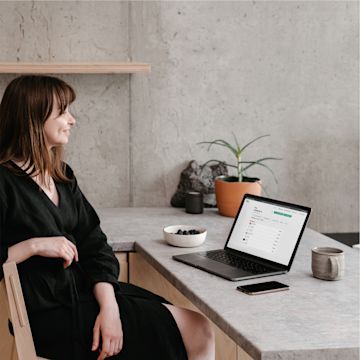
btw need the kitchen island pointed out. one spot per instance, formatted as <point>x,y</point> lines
<point>315,319</point>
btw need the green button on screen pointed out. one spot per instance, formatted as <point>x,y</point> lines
<point>282,214</point>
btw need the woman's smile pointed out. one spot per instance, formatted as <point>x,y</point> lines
<point>58,124</point>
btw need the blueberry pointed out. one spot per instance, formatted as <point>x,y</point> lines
<point>187,232</point>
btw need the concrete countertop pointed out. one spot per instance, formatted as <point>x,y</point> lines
<point>315,319</point>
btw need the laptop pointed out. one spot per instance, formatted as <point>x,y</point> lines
<point>262,241</point>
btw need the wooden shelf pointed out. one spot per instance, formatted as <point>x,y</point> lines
<point>73,68</point>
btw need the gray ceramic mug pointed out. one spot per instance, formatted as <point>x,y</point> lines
<point>328,263</point>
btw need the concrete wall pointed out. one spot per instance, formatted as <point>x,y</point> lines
<point>81,32</point>
<point>289,69</point>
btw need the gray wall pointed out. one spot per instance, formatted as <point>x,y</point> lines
<point>289,69</point>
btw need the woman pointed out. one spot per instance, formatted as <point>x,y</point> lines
<point>76,306</point>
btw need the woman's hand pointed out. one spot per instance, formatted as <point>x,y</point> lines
<point>108,325</point>
<point>56,247</point>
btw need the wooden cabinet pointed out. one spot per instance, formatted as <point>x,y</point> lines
<point>124,266</point>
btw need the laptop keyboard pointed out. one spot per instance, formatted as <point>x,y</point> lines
<point>235,261</point>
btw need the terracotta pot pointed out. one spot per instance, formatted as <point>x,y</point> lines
<point>229,193</point>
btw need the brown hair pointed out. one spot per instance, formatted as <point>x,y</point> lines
<point>26,104</point>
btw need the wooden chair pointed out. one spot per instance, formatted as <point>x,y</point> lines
<point>12,307</point>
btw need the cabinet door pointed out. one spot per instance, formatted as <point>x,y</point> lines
<point>124,266</point>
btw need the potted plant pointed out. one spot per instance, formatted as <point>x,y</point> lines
<point>230,190</point>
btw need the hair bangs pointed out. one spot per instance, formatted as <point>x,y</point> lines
<point>64,95</point>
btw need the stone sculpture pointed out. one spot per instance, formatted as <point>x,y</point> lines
<point>198,178</point>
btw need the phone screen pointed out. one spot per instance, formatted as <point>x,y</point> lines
<point>264,287</point>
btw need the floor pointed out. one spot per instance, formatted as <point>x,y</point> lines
<point>349,239</point>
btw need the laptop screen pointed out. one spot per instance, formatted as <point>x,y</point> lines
<point>267,230</point>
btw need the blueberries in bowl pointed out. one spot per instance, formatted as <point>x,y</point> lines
<point>194,236</point>
<point>187,232</point>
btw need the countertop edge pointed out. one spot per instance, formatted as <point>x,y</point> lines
<point>312,354</point>
<point>127,246</point>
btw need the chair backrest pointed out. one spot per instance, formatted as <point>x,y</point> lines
<point>7,341</point>
<point>12,307</point>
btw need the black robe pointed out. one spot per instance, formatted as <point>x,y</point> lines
<point>60,302</point>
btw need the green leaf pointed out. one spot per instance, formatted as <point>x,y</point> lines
<point>233,166</point>
<point>260,164</point>
<point>237,144</point>
<point>218,161</point>
<point>252,141</point>
<point>264,188</point>
<point>220,143</point>
<point>263,159</point>
<point>213,160</point>
<point>238,152</point>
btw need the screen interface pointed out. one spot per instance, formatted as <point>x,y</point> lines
<point>269,231</point>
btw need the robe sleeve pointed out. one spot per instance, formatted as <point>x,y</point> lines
<point>96,257</point>
<point>3,243</point>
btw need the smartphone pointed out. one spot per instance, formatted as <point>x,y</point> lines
<point>262,288</point>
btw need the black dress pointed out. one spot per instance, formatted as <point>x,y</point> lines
<point>60,302</point>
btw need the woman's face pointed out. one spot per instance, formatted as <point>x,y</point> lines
<point>57,127</point>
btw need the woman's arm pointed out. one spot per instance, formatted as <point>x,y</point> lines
<point>108,323</point>
<point>105,296</point>
<point>21,251</point>
<point>99,263</point>
<point>97,260</point>
<point>54,247</point>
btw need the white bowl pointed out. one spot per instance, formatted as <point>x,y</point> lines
<point>184,240</point>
